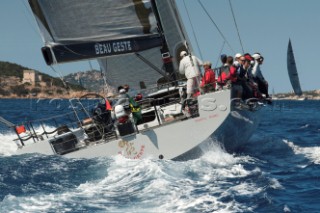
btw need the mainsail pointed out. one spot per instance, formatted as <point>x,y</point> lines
<point>292,71</point>
<point>133,40</point>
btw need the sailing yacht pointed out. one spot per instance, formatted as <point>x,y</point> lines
<point>136,43</point>
<point>293,73</point>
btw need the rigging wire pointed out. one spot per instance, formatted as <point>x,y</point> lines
<point>234,19</point>
<point>222,35</point>
<point>90,65</point>
<point>105,85</point>
<point>194,34</point>
<point>59,74</point>
<point>220,53</point>
<point>35,29</point>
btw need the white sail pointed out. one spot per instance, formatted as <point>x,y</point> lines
<point>292,71</point>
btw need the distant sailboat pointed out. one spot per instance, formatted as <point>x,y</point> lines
<point>292,71</point>
<point>274,97</point>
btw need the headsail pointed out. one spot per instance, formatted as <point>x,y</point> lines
<point>292,71</point>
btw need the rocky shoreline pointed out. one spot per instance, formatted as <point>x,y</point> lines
<point>311,95</point>
<point>308,95</point>
<point>46,96</point>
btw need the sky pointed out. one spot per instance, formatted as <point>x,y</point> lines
<point>265,26</point>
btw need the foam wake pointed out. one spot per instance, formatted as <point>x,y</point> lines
<point>312,153</point>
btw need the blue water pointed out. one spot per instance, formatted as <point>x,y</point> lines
<point>278,170</point>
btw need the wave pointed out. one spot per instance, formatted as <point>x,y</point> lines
<point>7,145</point>
<point>312,153</point>
<point>53,183</point>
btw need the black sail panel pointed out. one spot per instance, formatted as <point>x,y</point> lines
<point>292,71</point>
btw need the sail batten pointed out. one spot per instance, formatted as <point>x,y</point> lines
<point>292,71</point>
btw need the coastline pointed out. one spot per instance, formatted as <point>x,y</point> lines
<point>45,96</point>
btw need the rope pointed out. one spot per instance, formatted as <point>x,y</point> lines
<point>234,19</point>
<point>216,26</point>
<point>194,34</point>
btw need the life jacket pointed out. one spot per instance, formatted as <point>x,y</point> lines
<point>225,69</point>
<point>208,78</point>
<point>233,74</point>
<point>134,106</point>
<point>223,74</point>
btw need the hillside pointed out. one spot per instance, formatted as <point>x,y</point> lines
<point>91,80</point>
<point>13,85</point>
<point>80,83</point>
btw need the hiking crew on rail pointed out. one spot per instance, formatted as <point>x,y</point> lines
<point>242,73</point>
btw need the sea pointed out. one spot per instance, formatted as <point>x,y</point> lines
<point>277,170</point>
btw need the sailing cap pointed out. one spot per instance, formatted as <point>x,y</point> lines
<point>207,63</point>
<point>256,56</point>
<point>238,55</point>
<point>223,56</point>
<point>122,91</point>
<point>183,53</point>
<point>248,57</point>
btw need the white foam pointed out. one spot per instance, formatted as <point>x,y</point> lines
<point>312,153</point>
<point>7,145</point>
<point>160,186</point>
<point>275,184</point>
<point>305,126</point>
<point>9,140</point>
<point>286,209</point>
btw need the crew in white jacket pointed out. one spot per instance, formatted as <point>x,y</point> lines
<point>190,67</point>
<point>257,74</point>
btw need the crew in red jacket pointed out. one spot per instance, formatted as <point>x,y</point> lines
<point>236,91</point>
<point>208,81</point>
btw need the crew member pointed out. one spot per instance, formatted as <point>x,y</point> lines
<point>190,67</point>
<point>208,81</point>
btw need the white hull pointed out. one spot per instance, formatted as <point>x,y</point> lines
<point>179,140</point>
<point>237,129</point>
